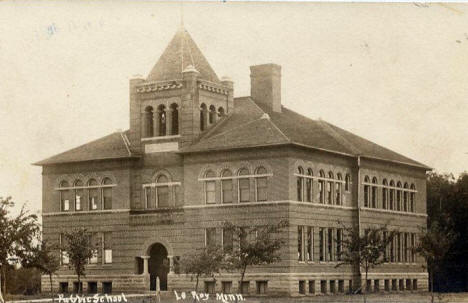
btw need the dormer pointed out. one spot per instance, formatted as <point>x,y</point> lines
<point>181,98</point>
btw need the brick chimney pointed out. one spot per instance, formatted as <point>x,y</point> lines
<point>265,85</point>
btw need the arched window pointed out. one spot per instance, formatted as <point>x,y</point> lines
<point>405,197</point>
<point>162,192</point>
<point>309,185</point>
<point>261,183</point>
<point>212,114</point>
<point>162,120</point>
<point>321,184</point>
<point>330,188</point>
<point>338,186</point>
<point>384,194</point>
<point>392,195</point>
<point>348,183</point>
<point>220,112</point>
<point>374,192</point>
<point>366,191</point>
<point>300,184</point>
<point>398,196</point>
<point>210,188</point>
<point>244,185</point>
<point>203,117</point>
<point>107,193</point>
<point>93,195</point>
<point>148,124</point>
<point>412,195</point>
<point>78,194</point>
<point>175,119</point>
<point>226,186</point>
<point>64,196</point>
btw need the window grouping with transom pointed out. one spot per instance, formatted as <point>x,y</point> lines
<point>389,194</point>
<point>161,193</point>
<point>242,186</point>
<point>161,121</point>
<point>89,196</point>
<point>325,187</point>
<point>209,114</point>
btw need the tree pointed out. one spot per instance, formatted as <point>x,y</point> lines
<point>205,262</point>
<point>365,250</point>
<point>80,249</point>
<point>44,258</point>
<point>16,235</point>
<point>257,245</point>
<point>433,246</point>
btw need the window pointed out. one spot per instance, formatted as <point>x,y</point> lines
<point>330,188</point>
<point>374,192</point>
<point>338,186</point>
<point>302,287</point>
<point>203,120</point>
<point>92,287</point>
<point>162,192</point>
<point>412,193</point>
<point>210,287</point>
<point>107,287</point>
<point>175,119</point>
<point>311,286</point>
<point>330,245</point>
<point>262,287</point>
<point>321,246</point>
<point>322,187</point>
<point>63,287</point>
<point>366,191</point>
<point>148,122</point>
<point>210,237</point>
<point>226,186</point>
<point>210,188</point>
<point>339,243</point>
<point>92,241</point>
<point>309,185</point>
<point>300,184</point>
<point>413,247</point>
<point>93,195</point>
<point>162,120</point>
<point>64,260</point>
<point>212,115</point>
<point>107,194</point>
<point>107,238</point>
<point>392,195</point>
<point>398,247</point>
<point>385,253</point>
<point>398,204</point>
<point>392,250</point>
<point>300,241</point>
<point>64,196</point>
<point>78,194</point>
<point>348,183</point>
<point>228,240</point>
<point>221,112</point>
<point>244,287</point>
<point>244,185</point>
<point>384,194</point>
<point>148,200</point>
<point>226,287</point>
<point>310,243</point>
<point>405,198</point>
<point>405,247</point>
<point>261,184</point>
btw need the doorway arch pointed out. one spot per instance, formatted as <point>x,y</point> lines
<point>158,265</point>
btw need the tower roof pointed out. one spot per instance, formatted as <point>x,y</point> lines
<point>181,52</point>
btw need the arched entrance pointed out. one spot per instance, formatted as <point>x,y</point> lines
<point>158,265</point>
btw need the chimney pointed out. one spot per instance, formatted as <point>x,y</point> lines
<point>265,85</point>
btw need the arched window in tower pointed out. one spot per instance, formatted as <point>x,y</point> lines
<point>220,112</point>
<point>162,120</point>
<point>261,183</point>
<point>321,184</point>
<point>203,113</point>
<point>162,191</point>
<point>212,117</point>
<point>107,193</point>
<point>384,194</point>
<point>148,122</point>
<point>64,196</point>
<point>412,196</point>
<point>210,188</point>
<point>300,184</point>
<point>330,188</point>
<point>175,119</point>
<point>366,191</point>
<point>244,185</point>
<point>226,186</point>
<point>374,192</point>
<point>405,197</point>
<point>78,195</point>
<point>398,196</point>
<point>338,186</point>
<point>392,195</point>
<point>93,195</point>
<point>309,185</point>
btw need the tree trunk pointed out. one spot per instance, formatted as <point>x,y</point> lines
<point>1,297</point>
<point>432,286</point>
<point>365,286</point>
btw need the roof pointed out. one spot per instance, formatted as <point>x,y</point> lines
<point>254,125</point>
<point>113,146</point>
<point>181,52</point>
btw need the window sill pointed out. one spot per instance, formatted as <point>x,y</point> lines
<point>160,138</point>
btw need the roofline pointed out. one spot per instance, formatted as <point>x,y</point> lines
<point>44,162</point>
<point>427,168</point>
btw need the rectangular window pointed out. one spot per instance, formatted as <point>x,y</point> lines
<point>398,204</point>
<point>245,287</point>
<point>311,286</point>
<point>63,287</point>
<point>300,241</point>
<point>385,252</point>
<point>412,201</point>
<point>78,197</point>
<point>148,200</point>
<point>339,244</point>
<point>300,191</point>
<point>398,247</point>
<point>244,190</point>
<point>405,247</point>
<point>107,197</point>
<point>228,240</point>
<point>374,197</point>
<point>330,245</point>
<point>242,238</point>
<point>329,192</point>
<point>210,287</point>
<point>210,237</point>
<point>64,260</point>
<point>262,287</point>
<point>210,191</point>
<point>338,193</point>
<point>310,243</point>
<point>107,247</point>
<point>92,241</point>
<point>392,250</point>
<point>321,193</point>
<point>163,196</point>
<point>227,190</point>
<point>226,287</point>
<point>302,287</point>
<point>321,246</point>
<point>384,198</point>
<point>107,287</point>
<point>262,189</point>
<point>413,246</point>
<point>93,199</point>
<point>309,190</point>
<point>366,195</point>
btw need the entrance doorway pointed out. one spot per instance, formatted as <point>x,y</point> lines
<point>158,266</point>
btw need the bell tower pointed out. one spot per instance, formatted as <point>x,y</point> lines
<point>181,98</point>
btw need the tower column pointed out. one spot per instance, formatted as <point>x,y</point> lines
<point>145,264</point>
<point>169,122</point>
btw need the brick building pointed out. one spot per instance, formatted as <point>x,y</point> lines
<point>195,156</point>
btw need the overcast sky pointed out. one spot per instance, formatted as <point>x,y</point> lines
<point>396,74</point>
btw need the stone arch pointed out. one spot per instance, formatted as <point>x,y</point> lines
<point>163,172</point>
<point>145,248</point>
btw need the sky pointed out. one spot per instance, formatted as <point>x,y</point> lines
<point>395,74</point>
